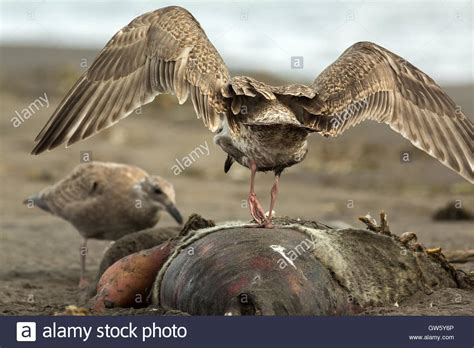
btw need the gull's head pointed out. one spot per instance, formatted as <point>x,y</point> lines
<point>160,193</point>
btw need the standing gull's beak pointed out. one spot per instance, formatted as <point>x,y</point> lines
<point>173,211</point>
<point>162,192</point>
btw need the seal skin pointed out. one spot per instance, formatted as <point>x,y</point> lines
<point>294,270</point>
<point>244,275</point>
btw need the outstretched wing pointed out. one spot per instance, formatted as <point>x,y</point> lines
<point>165,51</point>
<point>368,82</point>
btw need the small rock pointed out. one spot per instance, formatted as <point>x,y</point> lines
<point>453,212</point>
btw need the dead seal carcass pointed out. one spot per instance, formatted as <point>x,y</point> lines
<point>293,269</point>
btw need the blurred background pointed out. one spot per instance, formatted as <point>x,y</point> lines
<point>46,45</point>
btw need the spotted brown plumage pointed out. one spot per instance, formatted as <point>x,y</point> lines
<point>369,82</point>
<point>107,201</point>
<point>262,127</point>
<point>163,51</point>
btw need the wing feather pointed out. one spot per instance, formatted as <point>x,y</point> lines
<point>368,82</point>
<point>165,51</point>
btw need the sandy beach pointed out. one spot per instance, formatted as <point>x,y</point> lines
<point>362,171</point>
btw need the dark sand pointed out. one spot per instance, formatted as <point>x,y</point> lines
<point>340,179</point>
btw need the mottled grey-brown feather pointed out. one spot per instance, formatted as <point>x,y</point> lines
<point>248,87</point>
<point>368,82</point>
<point>164,51</point>
<point>84,187</point>
<point>103,199</point>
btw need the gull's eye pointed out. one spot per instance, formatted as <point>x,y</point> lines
<point>157,190</point>
<point>94,186</point>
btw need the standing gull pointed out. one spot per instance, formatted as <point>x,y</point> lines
<point>107,201</point>
<point>262,127</point>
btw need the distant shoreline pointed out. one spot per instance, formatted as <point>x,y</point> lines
<point>17,63</point>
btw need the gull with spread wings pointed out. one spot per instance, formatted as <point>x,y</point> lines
<point>262,127</point>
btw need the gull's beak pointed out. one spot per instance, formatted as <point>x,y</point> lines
<point>173,211</point>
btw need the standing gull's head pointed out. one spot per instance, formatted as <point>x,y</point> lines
<point>161,193</point>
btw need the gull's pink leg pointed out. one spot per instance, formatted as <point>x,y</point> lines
<point>273,198</point>
<point>83,283</point>
<point>256,209</point>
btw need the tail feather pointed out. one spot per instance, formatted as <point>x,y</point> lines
<point>228,163</point>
